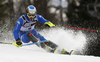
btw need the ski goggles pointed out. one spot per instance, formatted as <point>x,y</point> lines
<point>31,15</point>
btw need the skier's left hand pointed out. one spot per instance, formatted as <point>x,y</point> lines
<point>49,24</point>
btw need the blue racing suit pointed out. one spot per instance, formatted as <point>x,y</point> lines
<point>24,26</point>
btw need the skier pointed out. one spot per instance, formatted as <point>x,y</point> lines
<point>25,32</point>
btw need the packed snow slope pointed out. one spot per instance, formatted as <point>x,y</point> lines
<point>10,53</point>
<point>68,39</point>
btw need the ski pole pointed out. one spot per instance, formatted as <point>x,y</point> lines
<point>83,29</point>
<point>4,43</point>
<point>78,28</point>
<point>25,44</point>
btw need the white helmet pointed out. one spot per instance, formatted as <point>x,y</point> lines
<point>31,11</point>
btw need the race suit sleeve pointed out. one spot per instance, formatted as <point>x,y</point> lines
<point>41,19</point>
<point>44,21</point>
<point>17,28</point>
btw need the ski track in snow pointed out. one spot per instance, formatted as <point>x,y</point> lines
<point>67,39</point>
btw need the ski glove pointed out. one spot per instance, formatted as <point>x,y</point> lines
<point>49,24</point>
<point>18,43</point>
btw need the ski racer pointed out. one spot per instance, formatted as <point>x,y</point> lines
<point>25,32</point>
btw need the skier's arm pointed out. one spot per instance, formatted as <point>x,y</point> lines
<point>44,21</point>
<point>18,42</point>
<point>17,28</point>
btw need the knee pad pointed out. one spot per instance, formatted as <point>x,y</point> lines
<point>32,37</point>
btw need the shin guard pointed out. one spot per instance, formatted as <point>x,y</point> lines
<point>51,44</point>
<point>32,37</point>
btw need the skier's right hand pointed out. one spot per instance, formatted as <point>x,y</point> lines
<point>18,43</point>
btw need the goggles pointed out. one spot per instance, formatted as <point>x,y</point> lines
<point>31,15</point>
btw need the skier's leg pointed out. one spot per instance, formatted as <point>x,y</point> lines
<point>45,44</point>
<point>24,37</point>
<point>38,35</point>
<point>32,37</point>
<point>51,44</point>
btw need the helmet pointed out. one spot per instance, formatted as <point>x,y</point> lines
<point>31,11</point>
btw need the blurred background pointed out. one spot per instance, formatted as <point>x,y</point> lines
<point>74,13</point>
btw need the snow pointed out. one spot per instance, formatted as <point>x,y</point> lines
<point>10,53</point>
<point>32,53</point>
<point>67,39</point>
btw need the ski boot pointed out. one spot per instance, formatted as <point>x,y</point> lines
<point>65,52</point>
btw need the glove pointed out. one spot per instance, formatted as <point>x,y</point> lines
<point>49,24</point>
<point>18,43</point>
